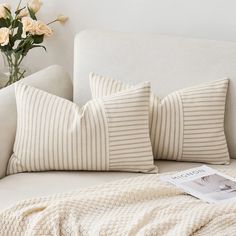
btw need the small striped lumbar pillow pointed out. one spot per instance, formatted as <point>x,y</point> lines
<point>187,125</point>
<point>109,134</point>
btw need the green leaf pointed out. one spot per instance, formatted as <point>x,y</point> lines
<point>39,46</point>
<point>26,49</point>
<point>24,46</point>
<point>19,32</point>
<point>8,10</point>
<point>8,22</point>
<point>11,41</point>
<point>29,46</point>
<point>2,22</point>
<point>5,22</point>
<point>15,23</point>
<point>20,45</point>
<point>32,14</point>
<point>38,39</point>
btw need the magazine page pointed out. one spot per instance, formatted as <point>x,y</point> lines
<point>205,183</point>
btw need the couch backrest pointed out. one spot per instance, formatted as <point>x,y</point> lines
<point>170,63</point>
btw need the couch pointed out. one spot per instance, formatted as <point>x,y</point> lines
<point>169,62</point>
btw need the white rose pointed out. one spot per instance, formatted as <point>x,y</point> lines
<point>40,28</point>
<point>4,36</point>
<point>3,11</point>
<point>35,27</point>
<point>34,5</point>
<point>62,19</point>
<point>28,26</point>
<point>23,13</point>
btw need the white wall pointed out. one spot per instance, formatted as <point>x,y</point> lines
<point>212,19</point>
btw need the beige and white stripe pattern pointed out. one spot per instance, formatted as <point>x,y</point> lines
<point>128,128</point>
<point>187,125</point>
<point>204,111</point>
<point>55,134</point>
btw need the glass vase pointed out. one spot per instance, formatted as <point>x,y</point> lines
<point>12,69</point>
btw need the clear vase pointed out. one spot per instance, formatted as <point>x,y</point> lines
<point>12,69</point>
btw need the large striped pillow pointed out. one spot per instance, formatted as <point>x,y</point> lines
<point>187,125</point>
<point>109,134</point>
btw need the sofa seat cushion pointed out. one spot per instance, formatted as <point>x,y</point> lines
<point>21,186</point>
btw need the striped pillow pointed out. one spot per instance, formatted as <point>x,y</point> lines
<point>187,125</point>
<point>109,134</point>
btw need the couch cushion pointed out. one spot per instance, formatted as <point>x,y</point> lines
<point>44,79</point>
<point>186,125</point>
<point>21,186</point>
<point>105,134</point>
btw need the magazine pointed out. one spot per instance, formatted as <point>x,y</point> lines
<point>205,183</point>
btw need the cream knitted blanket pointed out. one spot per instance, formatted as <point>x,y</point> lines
<point>138,206</point>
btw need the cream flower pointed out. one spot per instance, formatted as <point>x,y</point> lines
<point>34,5</point>
<point>3,11</point>
<point>40,28</point>
<point>28,25</point>
<point>23,13</point>
<point>4,36</point>
<point>62,19</point>
<point>35,27</point>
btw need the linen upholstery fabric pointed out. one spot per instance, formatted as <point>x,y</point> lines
<point>186,125</point>
<point>106,134</point>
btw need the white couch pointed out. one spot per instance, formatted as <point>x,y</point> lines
<point>168,62</point>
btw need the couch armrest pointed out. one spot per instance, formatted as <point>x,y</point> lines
<point>53,80</point>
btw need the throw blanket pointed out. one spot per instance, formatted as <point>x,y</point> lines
<point>138,206</point>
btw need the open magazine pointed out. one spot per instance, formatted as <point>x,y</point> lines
<point>205,183</point>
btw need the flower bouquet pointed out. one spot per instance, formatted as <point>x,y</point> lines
<point>21,31</point>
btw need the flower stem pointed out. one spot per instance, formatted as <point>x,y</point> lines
<point>52,22</point>
<point>14,64</point>
<point>18,7</point>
